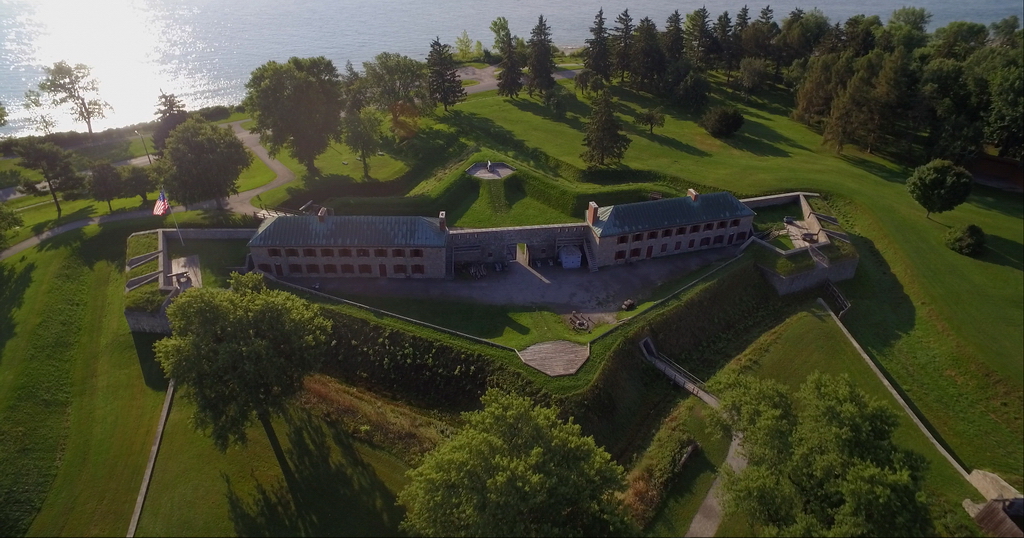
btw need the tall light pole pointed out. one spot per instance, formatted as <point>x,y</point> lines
<point>144,147</point>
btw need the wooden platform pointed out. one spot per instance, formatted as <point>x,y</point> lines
<point>556,358</point>
<point>188,264</point>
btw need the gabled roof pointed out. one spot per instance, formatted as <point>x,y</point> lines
<point>668,213</point>
<point>349,231</point>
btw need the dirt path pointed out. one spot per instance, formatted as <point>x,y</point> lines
<point>709,515</point>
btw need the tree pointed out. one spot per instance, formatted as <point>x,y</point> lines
<point>54,163</point>
<point>753,74</point>
<point>692,92</point>
<point>597,57</point>
<point>362,134</point>
<point>170,113</point>
<point>1005,32</point>
<point>622,40</point>
<point>955,103</point>
<point>587,81</point>
<point>201,161</point>
<point>725,38</point>
<point>821,464</point>
<point>9,220</point>
<point>603,136</point>
<point>464,47</point>
<point>859,33</point>
<point>968,240</point>
<point>959,39</point>
<point>1004,124</point>
<point>556,100</point>
<point>540,61</point>
<point>510,79</point>
<point>652,117</point>
<point>136,181</point>
<point>64,85</point>
<point>907,28</point>
<point>398,84</point>
<point>3,115</point>
<point>721,121</point>
<point>502,34</point>
<point>240,355</point>
<point>940,186</point>
<point>673,43</point>
<point>443,82</point>
<point>105,184</point>
<point>296,106</point>
<point>649,59</point>
<point>856,115</point>
<point>515,469</point>
<point>699,38</point>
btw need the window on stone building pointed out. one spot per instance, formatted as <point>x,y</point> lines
<point>623,239</point>
<point>363,252</point>
<point>313,269</point>
<point>309,252</point>
<point>274,252</point>
<point>416,253</point>
<point>634,253</point>
<point>741,236</point>
<point>345,253</point>
<point>399,269</point>
<point>690,245</point>
<point>295,268</point>
<point>265,267</point>
<point>398,253</point>
<point>380,252</point>
<point>638,237</point>
<point>719,239</point>
<point>679,245</point>
<point>292,252</point>
<point>709,226</point>
<point>666,233</point>
<point>327,252</point>
<point>347,269</point>
<point>705,241</point>
<point>620,255</point>
<point>331,268</point>
<point>418,269</point>
<point>364,269</point>
<point>652,235</point>
<point>734,223</point>
<point>722,224</point>
<point>664,247</point>
<point>681,230</point>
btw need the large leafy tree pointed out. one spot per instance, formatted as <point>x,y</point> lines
<point>170,112</point>
<point>821,464</point>
<point>54,163</point>
<point>296,106</point>
<point>598,56</point>
<point>105,183</point>
<point>239,355</point>
<point>9,220</point>
<point>445,86</point>
<point>1005,121</point>
<point>940,186</point>
<point>540,61</point>
<point>622,41</point>
<point>502,34</point>
<point>137,181</point>
<point>201,161</point>
<point>510,78</point>
<point>74,86</point>
<point>397,84</point>
<point>603,137</point>
<point>515,469</point>
<point>362,134</point>
<point>955,101</point>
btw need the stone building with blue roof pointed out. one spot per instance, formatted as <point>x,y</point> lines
<point>422,247</point>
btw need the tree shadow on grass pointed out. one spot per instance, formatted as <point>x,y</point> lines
<point>82,213</point>
<point>744,141</point>
<point>487,132</point>
<point>991,198</point>
<point>1003,251</point>
<point>337,493</point>
<point>877,169</point>
<point>152,372</point>
<point>574,111</point>
<point>671,143</point>
<point>13,283</point>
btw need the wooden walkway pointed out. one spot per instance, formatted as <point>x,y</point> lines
<point>556,358</point>
<point>188,264</point>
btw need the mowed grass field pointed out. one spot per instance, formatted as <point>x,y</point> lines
<point>948,328</point>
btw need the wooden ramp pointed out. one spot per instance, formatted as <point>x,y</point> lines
<point>556,358</point>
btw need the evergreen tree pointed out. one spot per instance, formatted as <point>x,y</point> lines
<point>510,79</point>
<point>540,61</point>
<point>699,38</point>
<point>603,137</point>
<point>759,38</point>
<point>725,45</point>
<point>597,56</point>
<point>742,20</point>
<point>1004,125</point>
<point>893,99</point>
<point>859,33</point>
<point>502,35</point>
<point>443,82</point>
<point>622,39</point>
<point>826,77</point>
<point>170,114</point>
<point>673,38</point>
<point>649,58</point>
<point>955,103</point>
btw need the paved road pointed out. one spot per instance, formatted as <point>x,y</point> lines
<point>488,81</point>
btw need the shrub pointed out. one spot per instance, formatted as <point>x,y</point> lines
<point>968,240</point>
<point>722,121</point>
<point>214,113</point>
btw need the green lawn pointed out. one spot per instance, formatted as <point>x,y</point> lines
<point>257,175</point>
<point>117,150</point>
<point>346,488</point>
<point>947,327</point>
<point>497,204</point>
<point>469,82</point>
<point>217,257</point>
<point>12,164</point>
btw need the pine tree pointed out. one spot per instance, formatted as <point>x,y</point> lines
<point>445,86</point>
<point>649,58</point>
<point>742,20</point>
<point>540,62</point>
<point>603,137</point>
<point>894,90</point>
<point>598,57</point>
<point>510,79</point>
<point>724,40</point>
<point>698,37</point>
<point>622,38</point>
<point>673,38</point>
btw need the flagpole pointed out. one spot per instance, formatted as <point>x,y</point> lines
<point>175,219</point>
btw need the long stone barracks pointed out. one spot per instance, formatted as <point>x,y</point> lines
<point>422,247</point>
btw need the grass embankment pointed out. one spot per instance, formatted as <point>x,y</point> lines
<point>117,150</point>
<point>947,327</point>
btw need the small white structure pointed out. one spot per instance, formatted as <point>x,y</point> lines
<point>570,257</point>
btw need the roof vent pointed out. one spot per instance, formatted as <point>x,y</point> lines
<point>692,194</point>
<point>442,221</point>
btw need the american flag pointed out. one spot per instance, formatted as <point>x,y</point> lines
<point>161,207</point>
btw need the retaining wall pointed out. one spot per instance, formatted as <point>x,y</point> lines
<point>146,322</point>
<point>835,271</point>
<point>492,244</point>
<point>775,199</point>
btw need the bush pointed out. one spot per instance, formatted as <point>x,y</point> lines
<point>722,121</point>
<point>968,240</point>
<point>215,113</point>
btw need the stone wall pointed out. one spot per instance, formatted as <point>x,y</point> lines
<point>609,250</point>
<point>775,199</point>
<point>433,262</point>
<point>835,271</point>
<point>499,244</point>
<point>145,322</point>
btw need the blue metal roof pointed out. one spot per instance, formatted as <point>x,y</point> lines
<point>349,231</point>
<point>668,213</point>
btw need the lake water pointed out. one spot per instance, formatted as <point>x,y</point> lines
<point>204,50</point>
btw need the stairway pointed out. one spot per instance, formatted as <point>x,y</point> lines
<point>591,259</point>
